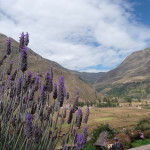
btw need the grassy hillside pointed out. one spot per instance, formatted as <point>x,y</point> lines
<point>131,90</point>
<point>36,63</point>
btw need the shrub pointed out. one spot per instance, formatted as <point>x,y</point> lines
<point>134,135</point>
<point>124,139</point>
<point>143,124</point>
<point>89,146</point>
<point>101,128</point>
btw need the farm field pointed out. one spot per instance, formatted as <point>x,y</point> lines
<point>123,117</point>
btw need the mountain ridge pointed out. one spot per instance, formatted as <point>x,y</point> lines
<point>73,83</point>
<point>135,67</point>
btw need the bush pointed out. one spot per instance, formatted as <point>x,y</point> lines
<point>89,146</point>
<point>124,139</point>
<point>134,135</point>
<point>143,125</point>
<point>147,134</point>
<point>101,128</point>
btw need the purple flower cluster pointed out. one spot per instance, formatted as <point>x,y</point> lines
<point>61,91</point>
<point>28,126</point>
<point>33,109</point>
<point>8,46</point>
<point>23,66</point>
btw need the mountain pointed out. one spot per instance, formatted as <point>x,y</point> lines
<point>131,79</point>
<point>88,77</point>
<point>136,67</point>
<point>38,64</point>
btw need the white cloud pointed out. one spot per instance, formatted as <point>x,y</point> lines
<point>77,34</point>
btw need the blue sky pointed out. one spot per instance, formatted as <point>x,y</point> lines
<point>83,35</point>
<point>142,10</point>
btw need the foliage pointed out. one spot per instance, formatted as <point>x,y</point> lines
<point>105,102</point>
<point>89,146</point>
<point>132,90</point>
<point>124,139</point>
<point>143,124</point>
<point>134,135</point>
<point>101,128</point>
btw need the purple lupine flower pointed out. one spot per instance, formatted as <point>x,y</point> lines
<point>23,66</point>
<point>48,82</point>
<point>33,109</point>
<point>13,76</point>
<point>28,81</point>
<point>75,135</point>
<point>26,39</point>
<point>25,100</point>
<point>3,89</point>
<point>85,133</point>
<point>8,46</point>
<point>55,91</point>
<point>19,84</point>
<point>50,87</point>
<point>70,116</point>
<point>10,68</point>
<point>9,110</point>
<point>79,118</point>
<point>42,96</point>
<point>21,42</point>
<point>80,142</point>
<point>75,104</point>
<point>61,91</point>
<point>37,134</point>
<point>31,95</point>
<point>77,92</point>
<point>49,111</point>
<point>37,83</point>
<point>67,95</point>
<point>28,125</point>
<point>1,106</point>
<point>51,71</point>
<point>86,115</point>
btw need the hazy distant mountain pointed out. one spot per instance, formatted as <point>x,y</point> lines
<point>88,77</point>
<point>41,65</point>
<point>135,67</point>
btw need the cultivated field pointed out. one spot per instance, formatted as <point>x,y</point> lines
<point>123,117</point>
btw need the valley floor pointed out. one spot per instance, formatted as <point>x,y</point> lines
<point>121,117</point>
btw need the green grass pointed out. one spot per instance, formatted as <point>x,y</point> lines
<point>89,146</point>
<point>146,107</point>
<point>104,119</point>
<point>140,142</point>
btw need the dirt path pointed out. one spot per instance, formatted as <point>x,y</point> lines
<point>145,147</point>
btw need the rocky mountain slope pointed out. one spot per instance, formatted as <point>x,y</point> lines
<point>135,67</point>
<point>130,80</point>
<point>36,63</point>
